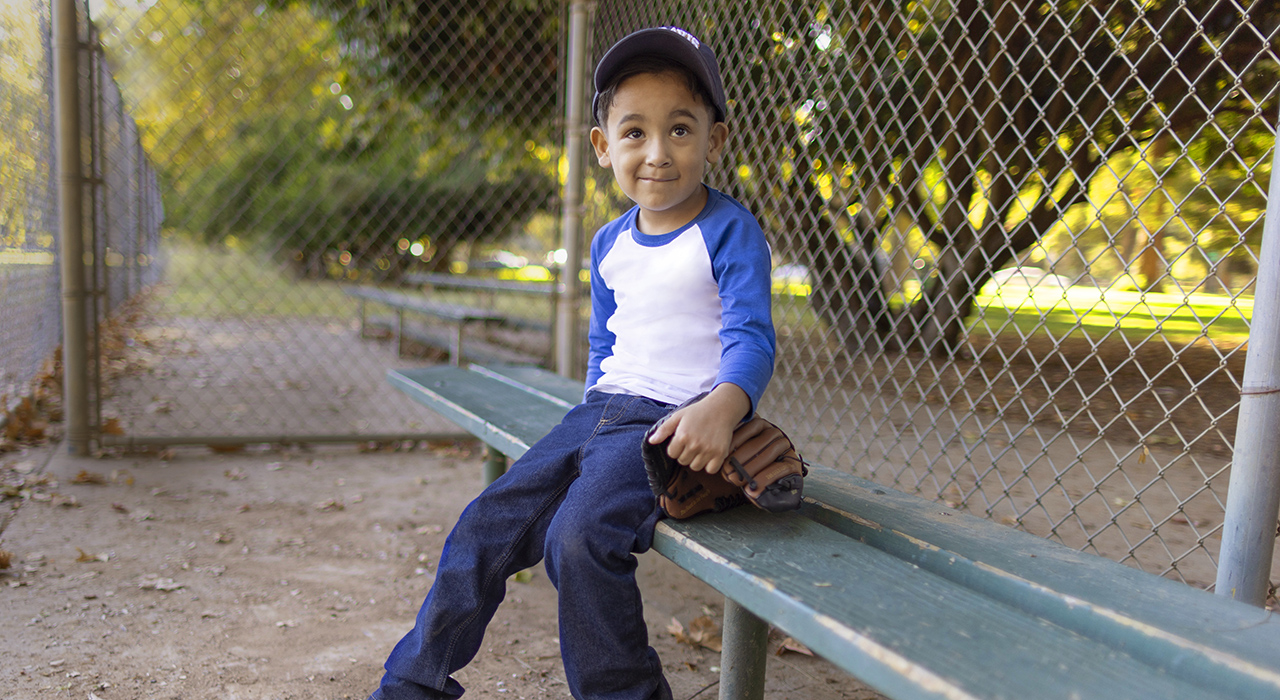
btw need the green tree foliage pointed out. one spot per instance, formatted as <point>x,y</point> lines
<point>981,124</point>
<point>26,153</point>
<point>272,126</point>
<point>471,60</point>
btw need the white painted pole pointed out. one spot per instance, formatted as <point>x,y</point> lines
<point>575,133</point>
<point>1253,494</point>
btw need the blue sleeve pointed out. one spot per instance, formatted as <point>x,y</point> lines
<point>600,340</point>
<point>741,262</point>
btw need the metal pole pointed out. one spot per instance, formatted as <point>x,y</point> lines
<point>1253,495</point>
<point>746,645</point>
<point>66,91</point>
<point>495,465</point>
<point>575,131</point>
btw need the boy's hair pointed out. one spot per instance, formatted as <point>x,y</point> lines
<point>652,64</point>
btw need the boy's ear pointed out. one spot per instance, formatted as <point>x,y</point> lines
<point>601,144</point>
<point>715,145</point>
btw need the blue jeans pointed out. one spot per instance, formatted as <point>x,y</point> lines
<point>579,497</point>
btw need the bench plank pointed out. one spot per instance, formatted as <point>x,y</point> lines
<point>539,382</point>
<point>901,629</point>
<point>437,279</point>
<point>446,311</point>
<point>500,414</point>
<point>1157,620</point>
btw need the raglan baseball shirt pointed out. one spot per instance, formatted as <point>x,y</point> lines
<point>676,314</point>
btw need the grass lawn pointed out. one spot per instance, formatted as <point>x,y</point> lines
<point>1089,312</point>
<point>1082,312</point>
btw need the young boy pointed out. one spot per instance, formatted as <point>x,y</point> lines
<point>680,306</point>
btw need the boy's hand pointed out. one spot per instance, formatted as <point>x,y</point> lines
<point>702,433</point>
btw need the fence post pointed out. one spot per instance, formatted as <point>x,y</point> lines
<point>66,67</point>
<point>1253,494</point>
<point>575,129</point>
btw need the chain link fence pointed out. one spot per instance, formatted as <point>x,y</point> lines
<point>28,200</point>
<point>311,151</point>
<point>1015,245</point>
<point>1015,241</point>
<point>124,210</point>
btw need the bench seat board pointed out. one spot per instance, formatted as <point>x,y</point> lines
<point>462,282</point>
<point>500,414</point>
<point>897,627</point>
<point>1159,621</point>
<point>446,311</point>
<point>539,382</point>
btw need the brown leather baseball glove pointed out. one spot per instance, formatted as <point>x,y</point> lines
<point>763,468</point>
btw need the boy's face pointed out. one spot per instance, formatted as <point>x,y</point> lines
<point>659,140</point>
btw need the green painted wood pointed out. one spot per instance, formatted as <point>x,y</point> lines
<point>449,312</point>
<point>903,630</point>
<point>539,382</point>
<point>463,282</point>
<point>501,415</point>
<point>1219,643</point>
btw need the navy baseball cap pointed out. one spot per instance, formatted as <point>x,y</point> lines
<point>673,43</point>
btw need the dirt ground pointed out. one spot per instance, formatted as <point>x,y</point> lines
<point>270,574</point>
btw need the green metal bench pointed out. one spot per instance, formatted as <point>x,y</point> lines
<point>456,317</point>
<point>914,599</point>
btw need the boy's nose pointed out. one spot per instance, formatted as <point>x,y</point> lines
<point>658,154</point>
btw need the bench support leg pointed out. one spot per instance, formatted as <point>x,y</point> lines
<point>495,465</point>
<point>455,346</point>
<point>742,662</point>
<point>399,333</point>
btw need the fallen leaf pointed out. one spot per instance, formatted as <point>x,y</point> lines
<point>63,500</point>
<point>330,505</point>
<point>222,538</point>
<point>6,558</point>
<point>523,576</point>
<point>223,449</point>
<point>120,507</point>
<point>235,474</point>
<point>88,477</point>
<point>702,632</point>
<point>86,557</point>
<point>790,644</point>
<point>111,426</point>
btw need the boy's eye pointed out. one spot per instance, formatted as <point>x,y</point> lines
<point>633,134</point>
<point>680,131</point>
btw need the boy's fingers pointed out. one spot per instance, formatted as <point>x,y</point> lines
<point>665,430</point>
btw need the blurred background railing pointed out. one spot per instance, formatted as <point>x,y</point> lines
<point>1016,242</point>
